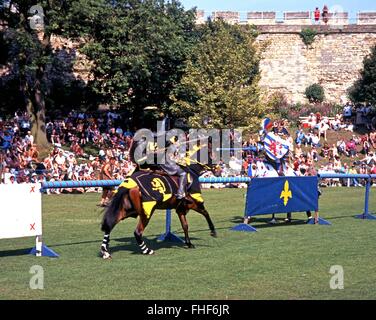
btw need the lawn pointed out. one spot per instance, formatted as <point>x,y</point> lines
<point>283,261</point>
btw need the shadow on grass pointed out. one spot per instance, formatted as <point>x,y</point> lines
<point>260,223</point>
<point>14,253</point>
<point>129,244</point>
<point>342,217</point>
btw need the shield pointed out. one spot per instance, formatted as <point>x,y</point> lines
<point>275,147</point>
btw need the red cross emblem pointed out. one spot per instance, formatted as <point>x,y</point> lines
<point>273,147</point>
<point>32,226</point>
<point>32,189</point>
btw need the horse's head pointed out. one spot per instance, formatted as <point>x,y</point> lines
<point>199,168</point>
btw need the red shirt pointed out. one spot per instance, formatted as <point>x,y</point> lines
<point>317,15</point>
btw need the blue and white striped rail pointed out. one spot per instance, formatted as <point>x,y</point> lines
<point>114,183</point>
<point>80,184</point>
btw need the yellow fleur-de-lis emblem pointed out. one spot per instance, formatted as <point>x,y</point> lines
<point>286,193</point>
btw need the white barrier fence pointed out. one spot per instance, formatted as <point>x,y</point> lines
<point>21,214</point>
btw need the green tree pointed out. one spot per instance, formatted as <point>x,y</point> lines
<point>29,25</point>
<point>139,55</point>
<point>315,93</point>
<point>308,36</point>
<point>364,89</point>
<point>220,84</point>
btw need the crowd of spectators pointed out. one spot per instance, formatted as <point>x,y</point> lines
<point>20,160</point>
<point>309,145</point>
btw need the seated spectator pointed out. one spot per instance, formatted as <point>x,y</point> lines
<point>315,140</point>
<point>60,160</point>
<point>325,150</point>
<point>298,150</point>
<point>76,149</point>
<point>365,145</point>
<point>323,128</point>
<point>318,117</point>
<point>308,139</point>
<point>341,147</point>
<point>333,151</point>
<point>314,154</point>
<point>337,163</point>
<point>363,169</point>
<point>55,138</point>
<point>300,137</point>
<point>312,120</point>
<point>351,148</point>
<point>370,159</point>
<point>29,138</point>
<point>372,139</point>
<point>357,139</point>
<point>12,180</point>
<point>349,127</point>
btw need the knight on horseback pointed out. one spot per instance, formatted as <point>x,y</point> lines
<point>156,185</point>
<point>172,167</point>
<point>169,160</point>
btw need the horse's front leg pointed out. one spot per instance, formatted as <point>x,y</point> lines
<point>184,225</point>
<point>105,246</point>
<point>142,223</point>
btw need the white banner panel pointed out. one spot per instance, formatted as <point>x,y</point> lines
<point>20,210</point>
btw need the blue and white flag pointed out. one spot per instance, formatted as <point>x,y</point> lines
<point>275,147</point>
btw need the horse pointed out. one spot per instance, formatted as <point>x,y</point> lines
<point>147,190</point>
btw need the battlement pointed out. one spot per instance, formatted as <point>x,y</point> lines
<point>231,17</point>
<point>288,18</point>
<point>366,17</point>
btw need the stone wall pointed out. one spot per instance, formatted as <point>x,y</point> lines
<point>333,60</point>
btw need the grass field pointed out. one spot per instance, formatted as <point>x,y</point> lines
<point>285,261</point>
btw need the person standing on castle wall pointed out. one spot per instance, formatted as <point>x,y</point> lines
<point>317,14</point>
<point>325,14</point>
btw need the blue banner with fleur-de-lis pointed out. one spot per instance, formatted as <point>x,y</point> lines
<point>281,194</point>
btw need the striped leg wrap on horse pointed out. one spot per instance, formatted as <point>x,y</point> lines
<point>105,242</point>
<point>145,249</point>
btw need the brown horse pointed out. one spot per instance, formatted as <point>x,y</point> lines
<point>144,192</point>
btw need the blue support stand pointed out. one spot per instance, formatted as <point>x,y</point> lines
<point>244,227</point>
<point>46,252</point>
<point>366,214</point>
<point>320,221</point>
<point>168,235</point>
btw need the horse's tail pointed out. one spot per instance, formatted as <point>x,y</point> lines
<point>111,214</point>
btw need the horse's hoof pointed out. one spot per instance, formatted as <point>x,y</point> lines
<point>213,234</point>
<point>148,252</point>
<point>190,246</point>
<point>106,255</point>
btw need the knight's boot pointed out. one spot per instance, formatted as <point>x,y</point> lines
<point>180,195</point>
<point>182,183</point>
